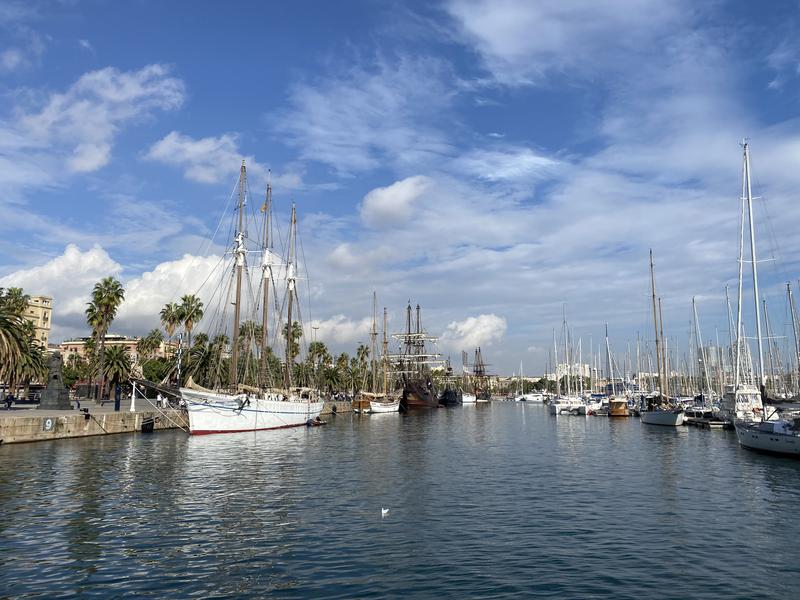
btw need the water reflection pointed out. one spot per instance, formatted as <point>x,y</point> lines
<point>495,500</point>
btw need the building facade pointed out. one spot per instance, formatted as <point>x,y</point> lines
<point>40,313</point>
<point>78,346</point>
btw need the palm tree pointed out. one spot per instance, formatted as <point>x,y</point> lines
<point>149,344</point>
<point>13,343</point>
<point>171,318</point>
<point>191,311</point>
<point>117,364</point>
<point>297,333</point>
<point>107,296</point>
<point>15,300</point>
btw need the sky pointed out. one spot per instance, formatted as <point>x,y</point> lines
<point>498,162</point>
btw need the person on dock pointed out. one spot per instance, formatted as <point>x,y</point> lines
<point>9,401</point>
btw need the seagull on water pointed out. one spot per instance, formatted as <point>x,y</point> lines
<point>384,512</point>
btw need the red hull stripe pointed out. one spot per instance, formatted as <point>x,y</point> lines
<point>209,431</point>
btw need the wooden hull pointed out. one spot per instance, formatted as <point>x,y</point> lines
<point>418,394</point>
<point>618,408</point>
<point>450,397</point>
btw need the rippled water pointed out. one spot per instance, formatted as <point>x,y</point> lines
<point>497,500</point>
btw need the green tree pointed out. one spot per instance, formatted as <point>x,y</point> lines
<point>14,300</point>
<point>297,334</point>
<point>148,346</point>
<point>117,365</point>
<point>191,312</point>
<point>171,318</point>
<point>107,296</point>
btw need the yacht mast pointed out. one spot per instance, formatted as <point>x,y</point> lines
<point>665,391</point>
<point>239,253</point>
<point>566,346</point>
<point>754,265</point>
<point>374,342</point>
<point>610,365</point>
<point>385,355</point>
<point>793,309</point>
<point>655,325</point>
<point>700,346</point>
<point>291,279</point>
<point>266,274</point>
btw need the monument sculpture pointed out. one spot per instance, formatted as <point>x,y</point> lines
<point>55,396</point>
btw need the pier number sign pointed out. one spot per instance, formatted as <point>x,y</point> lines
<point>48,424</point>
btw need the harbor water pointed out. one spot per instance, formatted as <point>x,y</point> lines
<point>494,500</point>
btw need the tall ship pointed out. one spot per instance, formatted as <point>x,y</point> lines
<point>415,365</point>
<point>451,395</point>
<point>251,394</point>
<point>483,391</point>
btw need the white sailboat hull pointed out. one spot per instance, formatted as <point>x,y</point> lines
<point>223,413</point>
<point>665,418</point>
<point>566,405</point>
<point>769,437</point>
<point>468,398</point>
<point>385,407</point>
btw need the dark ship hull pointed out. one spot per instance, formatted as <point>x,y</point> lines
<point>483,395</point>
<point>418,393</point>
<point>450,397</point>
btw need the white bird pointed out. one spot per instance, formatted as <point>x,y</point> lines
<point>384,512</point>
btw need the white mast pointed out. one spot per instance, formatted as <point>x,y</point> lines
<point>754,264</point>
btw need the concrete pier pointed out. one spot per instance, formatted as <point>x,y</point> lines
<point>34,425</point>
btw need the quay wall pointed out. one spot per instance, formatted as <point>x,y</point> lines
<point>342,406</point>
<point>35,428</point>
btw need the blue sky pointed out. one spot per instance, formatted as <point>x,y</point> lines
<point>490,160</point>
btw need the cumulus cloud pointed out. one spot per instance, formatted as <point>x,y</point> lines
<point>473,332</point>
<point>340,329</point>
<point>69,279</point>
<point>78,127</point>
<point>393,205</point>
<point>215,159</point>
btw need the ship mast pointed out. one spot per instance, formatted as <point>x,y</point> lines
<point>291,279</point>
<point>266,270</point>
<point>655,325</point>
<point>754,265</point>
<point>239,253</point>
<point>385,355</point>
<point>373,342</point>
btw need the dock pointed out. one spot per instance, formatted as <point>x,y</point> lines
<point>34,425</point>
<point>708,423</point>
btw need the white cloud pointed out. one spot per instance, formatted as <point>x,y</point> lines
<point>86,45</point>
<point>473,332</point>
<point>393,205</point>
<point>79,126</point>
<point>507,164</point>
<point>340,329</point>
<point>205,160</point>
<point>69,279</point>
<point>363,118</point>
<point>216,159</point>
<point>520,41</point>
